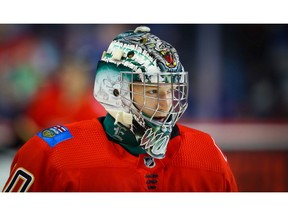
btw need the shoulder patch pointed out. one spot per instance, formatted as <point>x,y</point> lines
<point>55,135</point>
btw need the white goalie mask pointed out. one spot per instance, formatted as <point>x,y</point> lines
<point>135,77</point>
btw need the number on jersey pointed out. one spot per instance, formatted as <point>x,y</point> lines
<point>20,182</point>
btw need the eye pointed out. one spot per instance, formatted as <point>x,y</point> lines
<point>152,91</point>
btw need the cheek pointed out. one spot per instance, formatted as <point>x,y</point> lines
<point>150,105</point>
<point>140,100</point>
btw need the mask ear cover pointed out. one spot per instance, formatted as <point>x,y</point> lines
<point>107,90</point>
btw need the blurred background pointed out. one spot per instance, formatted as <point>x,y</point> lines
<point>238,88</point>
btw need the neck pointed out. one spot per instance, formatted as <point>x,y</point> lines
<point>122,135</point>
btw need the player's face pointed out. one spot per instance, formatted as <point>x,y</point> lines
<point>153,100</point>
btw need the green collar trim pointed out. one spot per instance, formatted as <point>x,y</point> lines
<point>122,135</point>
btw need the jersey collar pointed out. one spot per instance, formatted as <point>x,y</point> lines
<point>124,136</point>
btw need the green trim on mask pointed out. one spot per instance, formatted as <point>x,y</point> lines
<point>122,135</point>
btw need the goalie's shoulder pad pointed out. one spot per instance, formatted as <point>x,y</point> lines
<point>55,135</point>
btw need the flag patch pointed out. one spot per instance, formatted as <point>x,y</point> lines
<point>55,135</point>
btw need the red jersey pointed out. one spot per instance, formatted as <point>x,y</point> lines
<point>79,157</point>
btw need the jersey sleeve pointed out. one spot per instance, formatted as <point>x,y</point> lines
<point>31,169</point>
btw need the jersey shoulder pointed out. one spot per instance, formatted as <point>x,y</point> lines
<point>195,136</point>
<point>80,144</point>
<point>55,135</point>
<point>199,150</point>
<point>69,133</point>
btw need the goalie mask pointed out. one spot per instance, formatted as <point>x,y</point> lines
<point>142,84</point>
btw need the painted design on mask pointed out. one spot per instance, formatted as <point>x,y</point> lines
<point>155,144</point>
